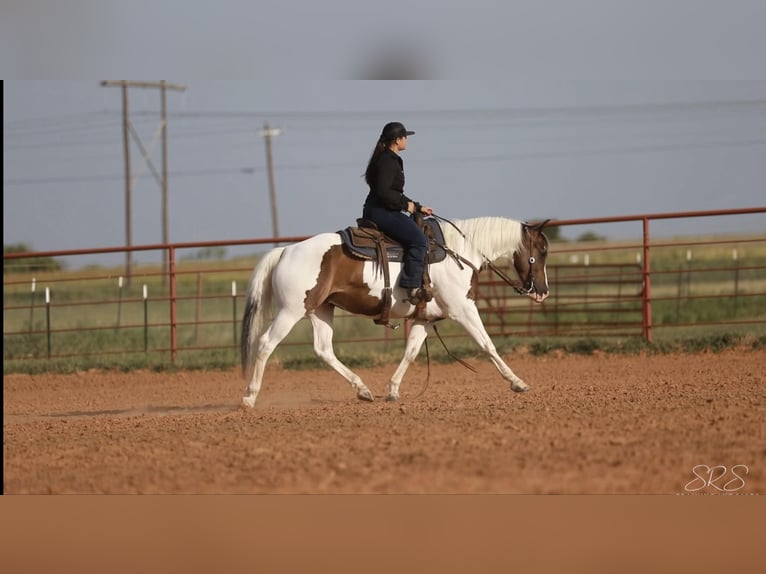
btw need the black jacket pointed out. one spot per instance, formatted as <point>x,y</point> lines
<point>386,180</point>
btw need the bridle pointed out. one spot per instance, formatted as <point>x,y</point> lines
<point>517,285</point>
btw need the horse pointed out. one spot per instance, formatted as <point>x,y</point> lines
<point>313,277</point>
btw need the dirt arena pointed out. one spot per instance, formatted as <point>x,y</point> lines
<point>666,424</point>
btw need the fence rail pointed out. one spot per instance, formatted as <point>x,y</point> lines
<point>599,289</point>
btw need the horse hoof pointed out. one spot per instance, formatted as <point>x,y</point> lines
<point>365,395</point>
<point>519,387</point>
<point>248,402</point>
<point>392,398</point>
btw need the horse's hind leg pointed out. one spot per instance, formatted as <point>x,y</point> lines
<point>418,333</point>
<point>321,320</point>
<point>278,330</point>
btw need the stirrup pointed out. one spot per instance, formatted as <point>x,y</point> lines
<point>414,295</point>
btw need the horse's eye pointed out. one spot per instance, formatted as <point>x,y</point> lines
<point>531,260</point>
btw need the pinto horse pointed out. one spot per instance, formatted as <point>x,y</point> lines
<point>313,277</point>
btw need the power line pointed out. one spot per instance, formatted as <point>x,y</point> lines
<point>474,116</point>
<point>493,113</point>
<point>116,177</point>
<point>183,134</point>
<point>588,110</point>
<point>462,159</point>
<point>46,121</point>
<point>51,136</point>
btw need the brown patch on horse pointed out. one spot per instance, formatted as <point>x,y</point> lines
<point>340,282</point>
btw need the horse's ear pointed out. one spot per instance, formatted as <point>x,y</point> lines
<point>539,226</point>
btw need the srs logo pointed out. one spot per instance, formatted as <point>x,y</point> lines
<point>719,477</point>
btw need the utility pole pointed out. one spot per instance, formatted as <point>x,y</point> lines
<point>267,133</point>
<point>127,129</point>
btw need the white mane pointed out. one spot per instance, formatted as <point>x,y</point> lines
<point>490,236</point>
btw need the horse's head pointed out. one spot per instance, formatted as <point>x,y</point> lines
<point>529,261</point>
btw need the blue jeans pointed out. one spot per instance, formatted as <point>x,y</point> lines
<point>402,228</point>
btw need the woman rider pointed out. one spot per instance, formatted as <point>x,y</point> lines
<point>391,210</point>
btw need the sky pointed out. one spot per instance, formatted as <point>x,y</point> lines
<point>526,110</point>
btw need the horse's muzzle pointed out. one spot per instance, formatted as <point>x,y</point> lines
<point>539,297</point>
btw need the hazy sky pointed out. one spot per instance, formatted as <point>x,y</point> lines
<point>532,109</point>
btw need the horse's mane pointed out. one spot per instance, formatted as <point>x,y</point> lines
<point>491,236</point>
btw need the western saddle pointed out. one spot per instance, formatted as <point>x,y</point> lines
<point>366,241</point>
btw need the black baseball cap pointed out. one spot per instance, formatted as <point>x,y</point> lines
<point>393,130</point>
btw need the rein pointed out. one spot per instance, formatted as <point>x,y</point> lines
<point>515,283</point>
<point>428,362</point>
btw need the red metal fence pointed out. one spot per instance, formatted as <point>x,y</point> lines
<point>626,289</point>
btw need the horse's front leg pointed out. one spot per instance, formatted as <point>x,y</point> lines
<point>468,316</point>
<point>418,333</point>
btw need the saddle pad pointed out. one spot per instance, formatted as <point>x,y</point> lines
<point>361,242</point>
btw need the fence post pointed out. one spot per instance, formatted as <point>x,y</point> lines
<point>679,291</point>
<point>119,302</point>
<point>556,309</point>
<point>146,320</point>
<point>173,310</point>
<point>586,265</point>
<point>48,318</point>
<point>735,256</point>
<point>688,272</point>
<point>619,285</point>
<point>32,305</point>
<point>198,308</point>
<point>234,310</point>
<point>647,297</point>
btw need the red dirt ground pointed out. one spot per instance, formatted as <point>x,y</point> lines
<point>590,424</point>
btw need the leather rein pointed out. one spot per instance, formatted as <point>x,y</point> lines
<point>515,283</point>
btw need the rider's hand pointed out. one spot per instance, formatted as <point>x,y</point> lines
<point>425,210</point>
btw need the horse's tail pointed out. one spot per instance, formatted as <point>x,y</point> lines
<point>257,306</point>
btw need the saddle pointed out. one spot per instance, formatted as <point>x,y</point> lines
<point>366,241</point>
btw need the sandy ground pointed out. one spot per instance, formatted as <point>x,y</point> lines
<point>669,424</point>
